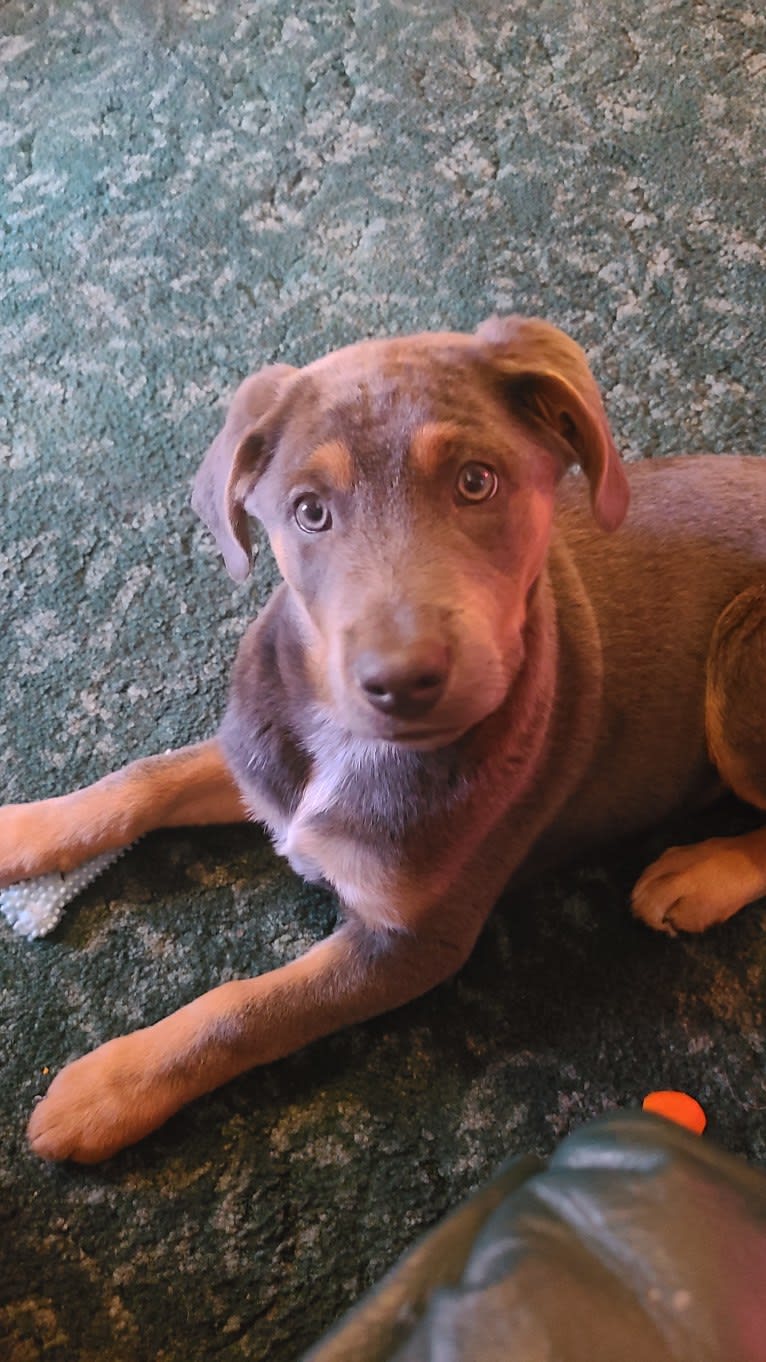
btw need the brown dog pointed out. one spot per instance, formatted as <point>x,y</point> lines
<point>463,666</point>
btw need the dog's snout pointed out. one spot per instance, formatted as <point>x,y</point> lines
<point>404,682</point>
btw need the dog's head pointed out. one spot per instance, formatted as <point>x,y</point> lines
<point>407,488</point>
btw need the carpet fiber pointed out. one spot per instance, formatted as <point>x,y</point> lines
<point>189,190</point>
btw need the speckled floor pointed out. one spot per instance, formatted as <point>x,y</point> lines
<point>188,190</point>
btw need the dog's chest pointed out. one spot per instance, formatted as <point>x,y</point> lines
<point>364,822</point>
<point>338,773</point>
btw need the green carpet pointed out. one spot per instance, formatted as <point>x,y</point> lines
<point>189,190</point>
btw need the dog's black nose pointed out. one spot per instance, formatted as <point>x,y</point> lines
<point>404,682</point>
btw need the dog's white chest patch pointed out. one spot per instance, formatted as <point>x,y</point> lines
<point>335,857</point>
<point>338,759</point>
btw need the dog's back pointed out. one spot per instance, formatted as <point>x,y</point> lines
<point>695,536</point>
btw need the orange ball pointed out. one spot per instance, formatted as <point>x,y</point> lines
<point>678,1107</point>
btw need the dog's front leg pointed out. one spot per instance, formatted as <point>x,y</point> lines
<point>691,888</point>
<point>129,1086</point>
<point>189,786</point>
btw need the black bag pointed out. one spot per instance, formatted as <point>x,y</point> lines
<point>637,1242</point>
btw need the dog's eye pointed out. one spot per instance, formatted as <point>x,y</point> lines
<point>476,482</point>
<point>311,514</point>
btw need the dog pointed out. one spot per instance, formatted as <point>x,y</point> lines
<point>473,663</point>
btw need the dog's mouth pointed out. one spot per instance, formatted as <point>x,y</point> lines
<point>412,736</point>
<point>423,733</point>
<point>420,710</point>
<point>426,740</point>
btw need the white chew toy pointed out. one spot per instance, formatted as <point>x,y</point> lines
<point>34,907</point>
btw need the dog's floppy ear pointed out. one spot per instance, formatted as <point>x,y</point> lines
<point>232,465</point>
<point>547,379</point>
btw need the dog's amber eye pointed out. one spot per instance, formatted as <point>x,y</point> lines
<point>476,482</point>
<point>311,514</point>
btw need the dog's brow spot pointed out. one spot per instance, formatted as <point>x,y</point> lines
<point>333,462</point>
<point>430,443</point>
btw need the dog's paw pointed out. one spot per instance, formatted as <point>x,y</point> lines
<point>691,888</point>
<point>31,842</point>
<point>101,1103</point>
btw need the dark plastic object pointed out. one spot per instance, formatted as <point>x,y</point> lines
<point>638,1242</point>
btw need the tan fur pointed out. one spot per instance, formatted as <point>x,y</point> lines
<point>429,444</point>
<point>440,690</point>
<point>333,463</point>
